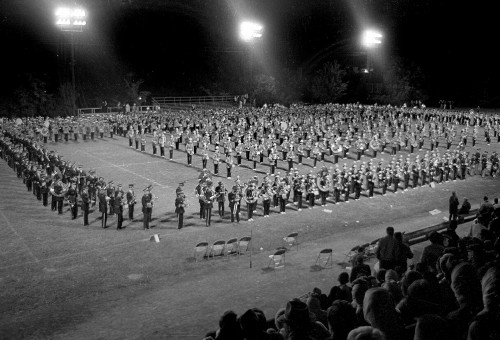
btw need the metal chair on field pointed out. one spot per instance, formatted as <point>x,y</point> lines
<point>277,259</point>
<point>217,249</point>
<point>325,257</point>
<point>201,250</point>
<point>231,247</point>
<point>244,244</point>
<point>291,240</point>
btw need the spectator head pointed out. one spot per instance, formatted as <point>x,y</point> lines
<point>398,236</point>
<point>381,275</point>
<point>409,277</point>
<point>390,231</point>
<point>453,225</point>
<point>343,278</point>
<point>453,193</point>
<point>435,237</point>
<point>229,328</point>
<point>432,327</point>
<point>360,260</point>
<point>297,315</point>
<point>249,323</point>
<point>495,200</point>
<point>466,286</point>
<point>365,333</point>
<point>341,319</point>
<point>380,312</point>
<point>361,250</point>
<point>491,289</point>
<point>359,288</point>
<point>262,319</point>
<point>279,318</point>
<point>485,198</point>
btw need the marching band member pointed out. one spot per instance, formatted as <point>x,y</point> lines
<point>162,140</point>
<point>171,144</point>
<point>118,208</point>
<point>229,163</point>
<point>266,195</point>
<point>190,151</point>
<point>208,198</point>
<point>251,200</point>
<point>316,153</point>
<point>85,204</point>
<point>234,198</point>
<point>154,142</point>
<point>198,192</point>
<point>221,192</point>
<point>143,141</point>
<point>180,204</point>
<point>147,206</point>
<point>216,160</point>
<point>290,158</point>
<point>238,150</point>
<point>72,196</point>
<point>131,201</point>
<point>103,205</point>
<point>300,151</point>
<point>137,139</point>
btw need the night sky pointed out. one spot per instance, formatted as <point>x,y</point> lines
<point>180,46</point>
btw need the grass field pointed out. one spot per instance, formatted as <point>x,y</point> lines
<point>59,279</point>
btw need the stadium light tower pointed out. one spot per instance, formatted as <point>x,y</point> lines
<point>250,34</point>
<point>370,39</point>
<point>71,20</point>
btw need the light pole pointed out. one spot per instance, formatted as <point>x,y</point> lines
<point>370,39</point>
<point>250,33</point>
<point>71,20</point>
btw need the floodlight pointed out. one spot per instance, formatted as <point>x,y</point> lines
<point>371,38</point>
<point>250,31</point>
<point>70,16</point>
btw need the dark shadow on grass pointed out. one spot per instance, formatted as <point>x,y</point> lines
<point>316,268</point>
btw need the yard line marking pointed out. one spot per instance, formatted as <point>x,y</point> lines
<point>126,164</point>
<point>20,237</point>
<point>121,168</point>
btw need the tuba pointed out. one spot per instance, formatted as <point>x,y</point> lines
<point>323,183</point>
<point>374,144</point>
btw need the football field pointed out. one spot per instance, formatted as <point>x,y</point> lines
<point>59,279</point>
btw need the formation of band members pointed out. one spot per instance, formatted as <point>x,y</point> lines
<point>45,172</point>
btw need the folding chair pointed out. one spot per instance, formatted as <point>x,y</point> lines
<point>291,240</point>
<point>244,244</point>
<point>217,249</point>
<point>325,253</point>
<point>231,247</point>
<point>278,259</point>
<point>201,249</point>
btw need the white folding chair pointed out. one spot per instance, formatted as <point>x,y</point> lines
<point>325,257</point>
<point>277,259</point>
<point>200,250</point>
<point>291,240</point>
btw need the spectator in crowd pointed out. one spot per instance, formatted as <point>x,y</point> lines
<point>432,252</point>
<point>251,328</point>
<point>450,236</point>
<point>300,325</point>
<point>420,300</point>
<point>359,289</point>
<point>485,210</point>
<point>495,203</point>
<point>342,291</point>
<point>386,250</point>
<point>360,269</point>
<point>432,327</point>
<point>403,253</point>
<point>477,227</point>
<point>380,312</point>
<point>465,208</point>
<point>454,203</point>
<point>494,226</point>
<point>359,252</point>
<point>365,333</point>
<point>313,304</point>
<point>341,319</point>
<point>408,278</point>
<point>485,324</point>
<point>467,289</point>
<point>229,327</point>
<point>391,284</point>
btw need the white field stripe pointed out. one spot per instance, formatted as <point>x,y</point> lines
<point>28,249</point>
<point>126,170</point>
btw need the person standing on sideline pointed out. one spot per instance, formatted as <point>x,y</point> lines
<point>179,208</point>
<point>85,205</point>
<point>386,250</point>
<point>147,206</point>
<point>454,203</point>
<point>131,201</point>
